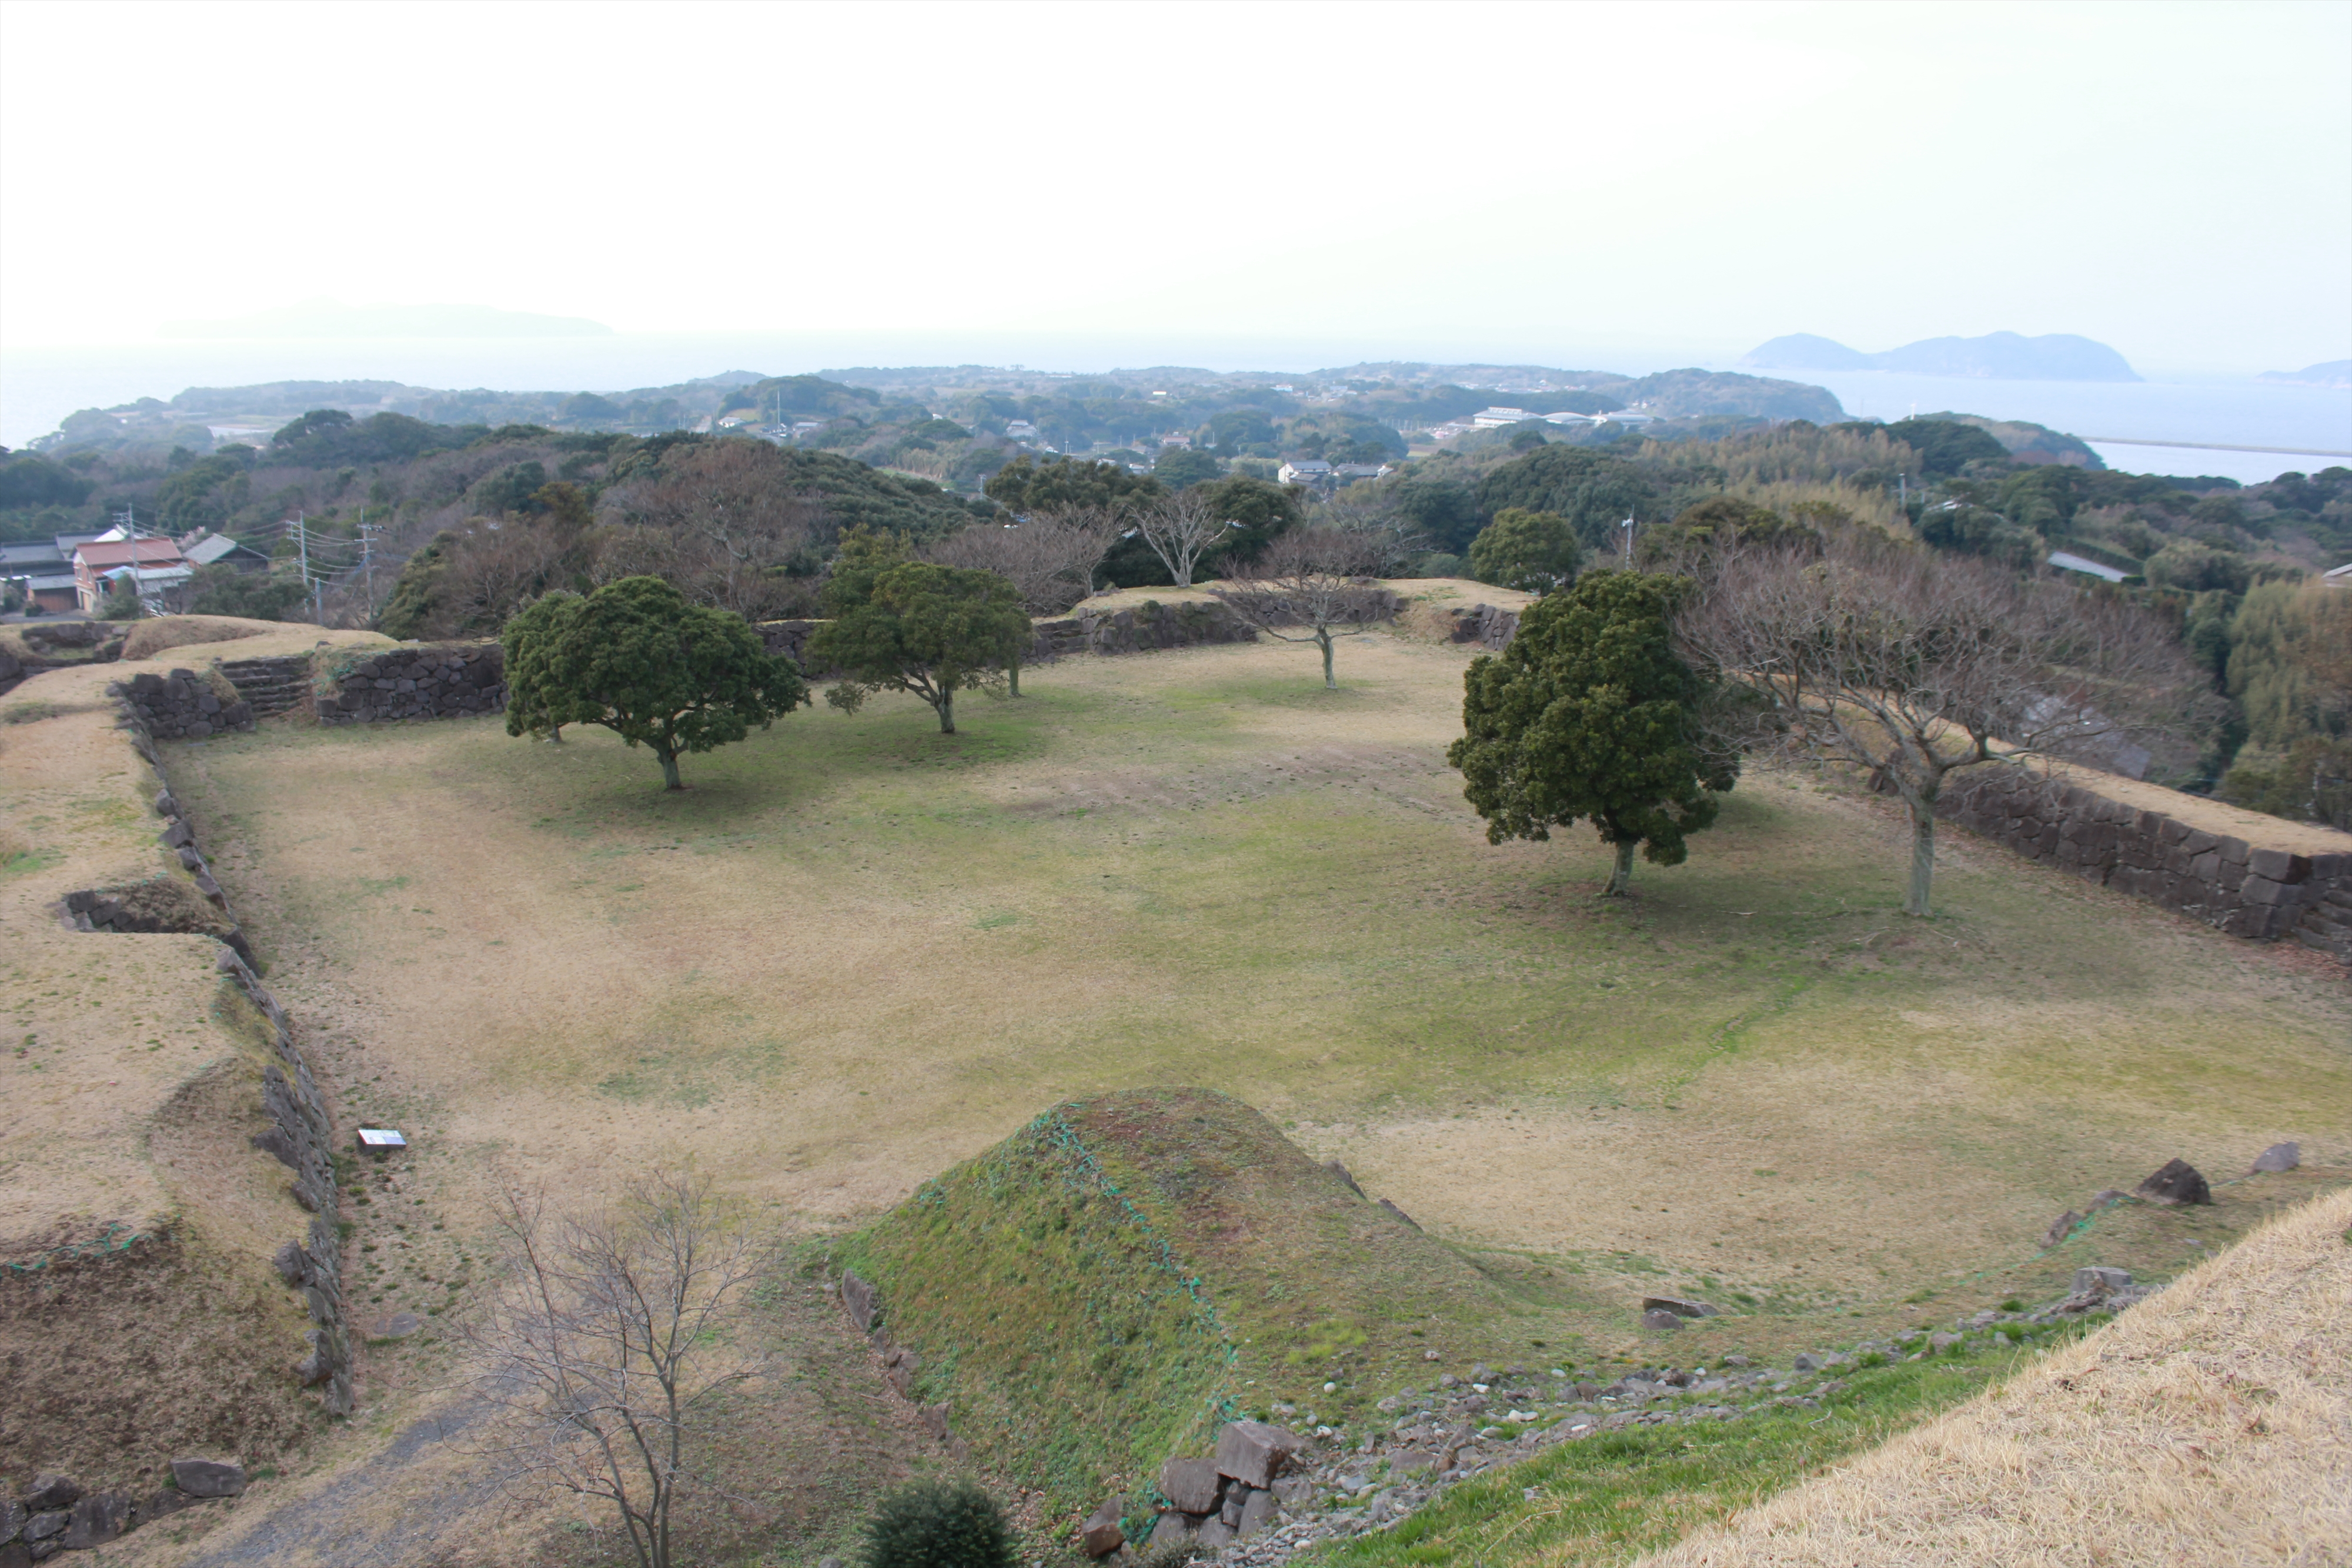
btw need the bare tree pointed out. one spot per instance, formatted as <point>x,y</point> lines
<point>1311,585</point>
<point>1051,555</point>
<point>1388,534</point>
<point>496,564</point>
<point>606,1338</point>
<point>724,522</point>
<point>1179,529</point>
<point>1914,666</point>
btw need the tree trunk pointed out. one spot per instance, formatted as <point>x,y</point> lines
<point>1923,856</point>
<point>556,735</point>
<point>670,780</point>
<point>1323,636</point>
<point>1012,673</point>
<point>947,713</point>
<point>1621,876</point>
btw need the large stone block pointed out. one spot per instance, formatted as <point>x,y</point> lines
<point>1192,1485</point>
<point>97,1520</point>
<point>2262,890</point>
<point>1255,1452</point>
<point>51,1492</point>
<point>2279,865</point>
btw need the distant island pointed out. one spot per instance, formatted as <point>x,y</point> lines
<point>332,318</point>
<point>1996,356</point>
<point>2334,374</point>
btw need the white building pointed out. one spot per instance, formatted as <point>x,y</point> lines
<point>1304,471</point>
<point>1496,418</point>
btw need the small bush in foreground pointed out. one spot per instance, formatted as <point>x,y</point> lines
<point>938,1524</point>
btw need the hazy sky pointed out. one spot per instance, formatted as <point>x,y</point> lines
<point>2174,179</point>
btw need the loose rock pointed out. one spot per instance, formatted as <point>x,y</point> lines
<point>208,1478</point>
<point>1681,1306</point>
<point>2061,1228</point>
<point>1659,1318</point>
<point>2177,1182</point>
<point>2278,1158</point>
<point>51,1492</point>
<point>858,1298</point>
<point>1101,1535</point>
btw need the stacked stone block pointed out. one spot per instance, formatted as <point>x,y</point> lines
<point>182,706</point>
<point>2227,883</point>
<point>1142,629</point>
<point>447,681</point>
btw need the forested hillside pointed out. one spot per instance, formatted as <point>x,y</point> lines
<point>431,529</point>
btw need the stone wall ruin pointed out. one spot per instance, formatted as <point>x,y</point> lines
<point>300,1133</point>
<point>2262,894</point>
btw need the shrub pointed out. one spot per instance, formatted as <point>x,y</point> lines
<point>938,1525</point>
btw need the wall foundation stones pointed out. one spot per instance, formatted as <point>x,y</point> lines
<point>453,680</point>
<point>2227,883</point>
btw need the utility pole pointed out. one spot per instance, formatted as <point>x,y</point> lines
<point>303,548</point>
<point>367,560</point>
<point>1628,525</point>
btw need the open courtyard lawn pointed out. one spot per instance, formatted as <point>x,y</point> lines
<point>855,951</point>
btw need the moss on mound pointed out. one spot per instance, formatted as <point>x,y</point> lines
<point>1098,1292</point>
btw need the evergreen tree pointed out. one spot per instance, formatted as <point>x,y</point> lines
<point>635,657</point>
<point>1590,713</point>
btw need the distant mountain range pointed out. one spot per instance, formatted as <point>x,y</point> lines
<point>331,319</point>
<point>2334,374</point>
<point>1998,356</point>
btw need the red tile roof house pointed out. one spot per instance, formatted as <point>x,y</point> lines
<point>97,558</point>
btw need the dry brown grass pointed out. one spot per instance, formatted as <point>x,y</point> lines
<point>2211,1425</point>
<point>161,634</point>
<point>850,955</point>
<point>2262,830</point>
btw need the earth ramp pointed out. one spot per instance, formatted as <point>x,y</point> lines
<point>1099,1292</point>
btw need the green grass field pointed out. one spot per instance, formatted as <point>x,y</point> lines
<point>855,952</point>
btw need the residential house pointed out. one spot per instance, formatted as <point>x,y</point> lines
<point>1349,473</point>
<point>45,572</point>
<point>150,565</point>
<point>1311,471</point>
<point>202,549</point>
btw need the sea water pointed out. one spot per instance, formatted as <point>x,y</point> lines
<point>2237,411</point>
